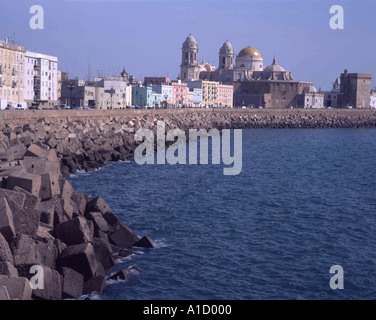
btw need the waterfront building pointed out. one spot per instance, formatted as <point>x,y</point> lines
<point>197,97</point>
<point>156,100</point>
<point>312,98</point>
<point>373,100</point>
<point>164,90</point>
<point>41,80</point>
<point>334,97</point>
<point>116,86</point>
<point>59,83</point>
<point>190,96</point>
<point>142,96</point>
<point>12,74</point>
<point>81,94</point>
<point>356,89</point>
<point>225,95</point>
<point>209,92</point>
<point>273,87</point>
<point>179,93</point>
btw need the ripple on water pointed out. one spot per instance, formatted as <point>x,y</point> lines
<point>304,201</point>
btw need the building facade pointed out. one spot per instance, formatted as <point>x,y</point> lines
<point>334,97</point>
<point>12,74</point>
<point>225,96</point>
<point>356,89</point>
<point>197,97</point>
<point>41,80</point>
<point>142,96</point>
<point>179,93</point>
<point>273,87</point>
<point>164,90</point>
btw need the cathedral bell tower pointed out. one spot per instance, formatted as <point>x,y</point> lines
<point>189,69</point>
<point>226,56</point>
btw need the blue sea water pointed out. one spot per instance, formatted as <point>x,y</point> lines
<point>305,201</point>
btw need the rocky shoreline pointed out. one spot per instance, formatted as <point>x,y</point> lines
<point>76,240</point>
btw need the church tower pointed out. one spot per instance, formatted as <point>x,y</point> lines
<point>189,69</point>
<point>226,56</point>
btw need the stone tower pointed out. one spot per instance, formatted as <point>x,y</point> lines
<point>226,56</point>
<point>189,69</point>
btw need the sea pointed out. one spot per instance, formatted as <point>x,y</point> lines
<point>303,204</point>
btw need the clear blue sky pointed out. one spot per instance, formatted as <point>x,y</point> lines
<point>146,36</point>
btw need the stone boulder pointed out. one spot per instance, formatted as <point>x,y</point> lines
<point>74,231</point>
<point>5,252</point>
<point>97,205</point>
<point>18,288</point>
<point>73,283</point>
<point>144,242</point>
<point>6,220</point>
<point>80,258</point>
<point>52,286</point>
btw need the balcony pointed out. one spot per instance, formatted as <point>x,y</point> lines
<point>36,67</point>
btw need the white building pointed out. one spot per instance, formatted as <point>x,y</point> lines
<point>373,100</point>
<point>312,98</point>
<point>41,80</point>
<point>120,87</point>
<point>164,90</point>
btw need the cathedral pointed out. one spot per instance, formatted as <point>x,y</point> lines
<point>230,68</point>
<point>254,85</point>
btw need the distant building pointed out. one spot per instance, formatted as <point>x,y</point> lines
<point>373,100</point>
<point>117,86</point>
<point>12,74</point>
<point>209,91</point>
<point>225,95</point>
<point>197,97</point>
<point>312,98</point>
<point>150,81</point>
<point>356,89</point>
<point>142,96</point>
<point>156,100</point>
<point>350,90</point>
<point>334,97</point>
<point>59,83</point>
<point>273,87</point>
<point>41,80</point>
<point>164,90</point>
<point>102,93</point>
<point>190,97</point>
<point>179,93</point>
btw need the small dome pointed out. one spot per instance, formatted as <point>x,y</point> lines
<point>226,48</point>
<point>274,67</point>
<point>190,39</point>
<point>310,89</point>
<point>250,52</point>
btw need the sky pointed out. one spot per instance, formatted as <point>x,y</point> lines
<point>146,36</point>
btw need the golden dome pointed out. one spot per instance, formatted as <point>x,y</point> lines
<point>250,52</point>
